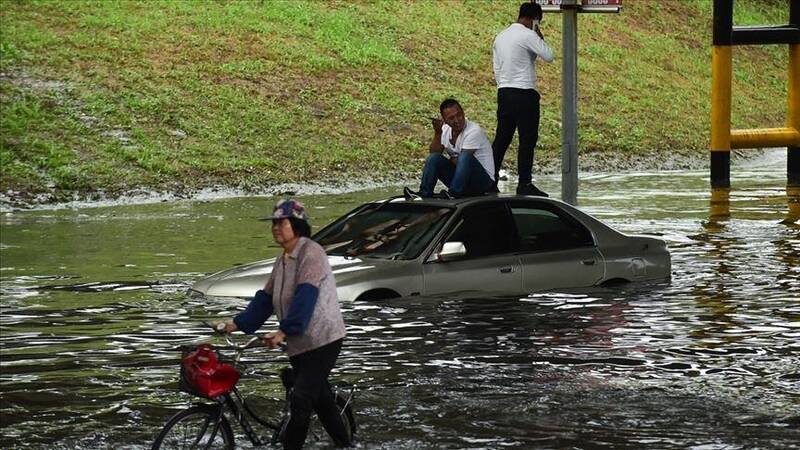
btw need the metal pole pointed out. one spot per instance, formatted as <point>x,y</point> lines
<point>793,122</point>
<point>569,106</point>
<point>721,82</point>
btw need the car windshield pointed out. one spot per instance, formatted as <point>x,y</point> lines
<point>384,230</point>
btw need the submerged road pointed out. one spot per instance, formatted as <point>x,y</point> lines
<point>93,302</point>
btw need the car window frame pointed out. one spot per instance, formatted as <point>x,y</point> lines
<point>455,219</point>
<point>562,214</point>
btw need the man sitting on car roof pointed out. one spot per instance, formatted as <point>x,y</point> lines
<point>460,156</point>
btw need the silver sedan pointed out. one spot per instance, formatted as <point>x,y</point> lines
<point>492,245</point>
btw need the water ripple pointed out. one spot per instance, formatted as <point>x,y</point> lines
<point>707,360</point>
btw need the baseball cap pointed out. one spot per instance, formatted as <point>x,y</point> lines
<point>287,208</point>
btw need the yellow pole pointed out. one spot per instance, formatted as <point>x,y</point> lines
<point>721,75</point>
<point>793,119</point>
<point>793,150</point>
<point>765,137</point>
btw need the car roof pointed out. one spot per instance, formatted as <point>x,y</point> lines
<point>464,201</point>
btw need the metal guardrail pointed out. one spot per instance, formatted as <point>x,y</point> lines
<point>723,138</point>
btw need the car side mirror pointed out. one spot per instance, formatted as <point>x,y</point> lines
<point>452,251</point>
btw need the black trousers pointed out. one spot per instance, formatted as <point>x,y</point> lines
<point>312,393</point>
<point>517,110</point>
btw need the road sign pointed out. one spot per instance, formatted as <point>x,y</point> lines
<point>583,6</point>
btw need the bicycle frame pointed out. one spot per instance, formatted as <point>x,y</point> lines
<point>240,410</point>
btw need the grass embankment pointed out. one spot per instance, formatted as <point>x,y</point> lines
<point>112,96</point>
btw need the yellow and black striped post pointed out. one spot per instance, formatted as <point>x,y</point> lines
<point>793,121</point>
<point>723,139</point>
<point>721,74</point>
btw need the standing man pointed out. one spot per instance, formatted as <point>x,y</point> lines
<point>514,59</point>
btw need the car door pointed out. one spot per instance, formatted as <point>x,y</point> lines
<point>489,265</point>
<point>556,250</point>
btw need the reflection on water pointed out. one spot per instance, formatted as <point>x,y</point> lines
<point>93,304</point>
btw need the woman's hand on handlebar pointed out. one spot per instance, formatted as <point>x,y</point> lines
<point>274,339</point>
<point>221,326</point>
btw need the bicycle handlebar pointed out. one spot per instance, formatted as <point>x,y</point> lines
<point>255,341</point>
<point>218,329</point>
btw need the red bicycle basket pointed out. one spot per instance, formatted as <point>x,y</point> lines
<point>203,374</point>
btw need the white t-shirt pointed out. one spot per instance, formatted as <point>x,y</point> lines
<point>514,56</point>
<point>473,137</point>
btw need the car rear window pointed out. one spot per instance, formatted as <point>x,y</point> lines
<point>540,229</point>
<point>384,230</point>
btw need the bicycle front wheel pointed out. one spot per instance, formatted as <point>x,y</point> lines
<point>348,419</point>
<point>201,426</point>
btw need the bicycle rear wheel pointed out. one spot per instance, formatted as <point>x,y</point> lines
<point>196,427</point>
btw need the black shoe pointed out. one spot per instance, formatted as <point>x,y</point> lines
<point>444,194</point>
<point>530,189</point>
<point>409,194</point>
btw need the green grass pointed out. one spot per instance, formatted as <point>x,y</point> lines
<point>117,95</point>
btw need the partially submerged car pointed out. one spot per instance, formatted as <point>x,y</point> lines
<point>492,245</point>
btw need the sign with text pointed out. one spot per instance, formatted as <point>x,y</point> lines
<point>612,6</point>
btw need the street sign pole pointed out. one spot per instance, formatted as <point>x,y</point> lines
<point>569,105</point>
<point>569,83</point>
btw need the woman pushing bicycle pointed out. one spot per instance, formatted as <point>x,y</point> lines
<point>301,291</point>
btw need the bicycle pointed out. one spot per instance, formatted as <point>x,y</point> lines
<point>206,425</point>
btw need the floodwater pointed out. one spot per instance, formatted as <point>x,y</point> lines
<point>93,303</point>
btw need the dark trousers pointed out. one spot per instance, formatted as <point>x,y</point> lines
<point>466,178</point>
<point>312,393</point>
<point>517,110</point>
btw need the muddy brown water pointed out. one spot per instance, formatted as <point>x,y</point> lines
<point>93,302</point>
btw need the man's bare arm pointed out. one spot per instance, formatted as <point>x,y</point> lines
<point>436,143</point>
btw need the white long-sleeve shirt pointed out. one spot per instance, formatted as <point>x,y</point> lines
<point>514,56</point>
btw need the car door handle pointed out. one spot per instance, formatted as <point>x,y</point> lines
<point>588,262</point>
<point>507,269</point>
